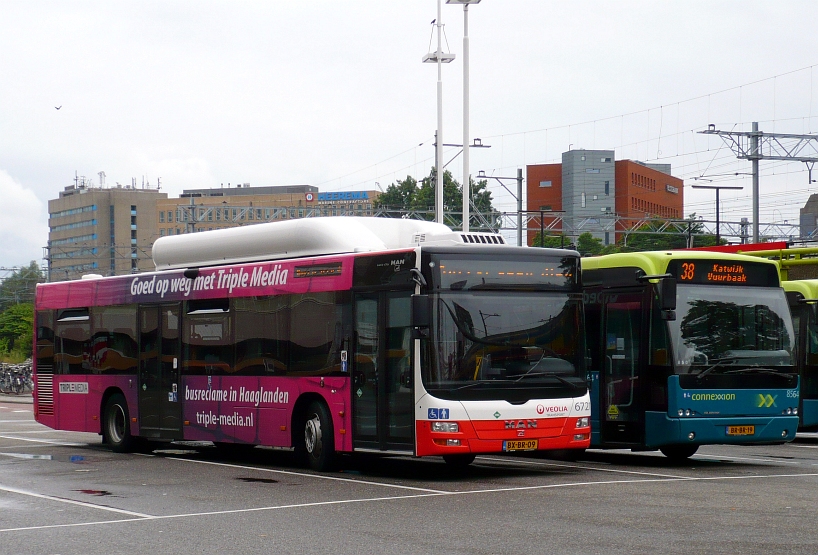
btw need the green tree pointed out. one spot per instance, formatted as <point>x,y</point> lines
<point>637,242</point>
<point>551,241</point>
<point>406,195</point>
<point>588,245</point>
<point>16,331</point>
<point>19,287</point>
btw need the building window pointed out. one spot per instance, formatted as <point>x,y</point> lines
<point>607,187</point>
<point>545,183</point>
<point>162,232</point>
<point>170,216</point>
<point>547,207</point>
<point>161,216</point>
<point>582,157</point>
<point>591,170</point>
<point>582,202</point>
<point>604,159</point>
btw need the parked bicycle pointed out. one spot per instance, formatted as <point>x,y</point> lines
<point>16,378</point>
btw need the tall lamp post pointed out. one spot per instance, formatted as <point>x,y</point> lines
<point>518,197</point>
<point>466,175</point>
<point>717,188</point>
<point>439,57</point>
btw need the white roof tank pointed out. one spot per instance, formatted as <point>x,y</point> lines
<point>304,237</point>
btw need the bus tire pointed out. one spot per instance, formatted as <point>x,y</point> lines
<point>458,462</point>
<point>319,438</point>
<point>116,425</point>
<point>679,453</point>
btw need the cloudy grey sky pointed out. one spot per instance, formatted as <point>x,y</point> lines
<point>334,94</point>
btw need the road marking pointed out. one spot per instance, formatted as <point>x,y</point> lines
<point>47,431</point>
<point>746,459</point>
<point>306,475</point>
<point>67,444</point>
<point>376,499</point>
<point>73,502</point>
<point>565,465</point>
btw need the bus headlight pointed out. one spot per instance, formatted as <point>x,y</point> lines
<point>449,427</point>
<point>583,422</point>
<point>681,412</point>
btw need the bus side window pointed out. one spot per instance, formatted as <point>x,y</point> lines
<point>45,341</point>
<point>316,320</point>
<point>261,327</point>
<point>207,344</point>
<point>72,353</point>
<point>114,340</point>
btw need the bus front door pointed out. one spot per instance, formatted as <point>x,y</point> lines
<point>621,409</point>
<point>382,391</point>
<point>160,413</point>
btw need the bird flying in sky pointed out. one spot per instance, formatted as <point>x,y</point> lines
<point>58,107</point>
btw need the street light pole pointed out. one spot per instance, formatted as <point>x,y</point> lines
<point>466,174</point>
<point>438,57</point>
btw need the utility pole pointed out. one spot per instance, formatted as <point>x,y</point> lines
<point>756,145</point>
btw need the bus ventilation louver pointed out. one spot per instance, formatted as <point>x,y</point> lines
<point>483,239</point>
<point>418,238</point>
<point>45,389</point>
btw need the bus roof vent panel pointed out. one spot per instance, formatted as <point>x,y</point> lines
<point>291,239</point>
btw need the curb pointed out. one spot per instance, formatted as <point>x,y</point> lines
<point>19,399</point>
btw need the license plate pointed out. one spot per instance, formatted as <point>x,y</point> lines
<point>741,430</point>
<point>520,445</point>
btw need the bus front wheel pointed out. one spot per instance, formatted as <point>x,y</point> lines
<point>679,452</point>
<point>319,439</point>
<point>116,425</point>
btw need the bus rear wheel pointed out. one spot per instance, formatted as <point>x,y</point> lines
<point>679,453</point>
<point>116,425</point>
<point>319,439</point>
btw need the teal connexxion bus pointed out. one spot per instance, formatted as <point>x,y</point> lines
<point>687,349</point>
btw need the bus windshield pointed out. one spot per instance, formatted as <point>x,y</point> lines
<point>485,343</point>
<point>723,329</point>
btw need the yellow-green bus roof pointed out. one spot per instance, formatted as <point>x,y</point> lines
<point>656,262</point>
<point>807,287</point>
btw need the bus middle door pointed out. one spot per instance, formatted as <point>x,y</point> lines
<point>621,408</point>
<point>160,412</point>
<point>382,391</point>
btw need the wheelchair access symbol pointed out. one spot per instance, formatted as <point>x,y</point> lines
<point>438,414</point>
<point>766,401</point>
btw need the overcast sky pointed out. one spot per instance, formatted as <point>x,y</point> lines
<point>334,94</point>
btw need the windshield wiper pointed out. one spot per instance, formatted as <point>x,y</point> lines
<point>550,375</point>
<point>480,383</point>
<point>719,362</point>
<point>765,371</point>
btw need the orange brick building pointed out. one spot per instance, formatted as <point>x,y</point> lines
<point>589,191</point>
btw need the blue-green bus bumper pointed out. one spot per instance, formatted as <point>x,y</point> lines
<point>662,430</point>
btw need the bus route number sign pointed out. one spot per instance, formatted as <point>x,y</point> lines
<point>723,272</point>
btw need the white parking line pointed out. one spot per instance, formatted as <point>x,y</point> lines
<point>306,475</point>
<point>585,467</point>
<point>49,442</point>
<point>729,457</point>
<point>72,502</point>
<point>391,498</point>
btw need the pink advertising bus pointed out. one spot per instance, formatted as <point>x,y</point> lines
<point>325,336</point>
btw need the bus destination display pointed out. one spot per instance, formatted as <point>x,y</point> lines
<point>723,272</point>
